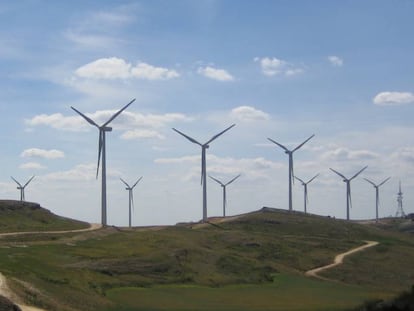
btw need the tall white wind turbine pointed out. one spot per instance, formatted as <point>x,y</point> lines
<point>348,188</point>
<point>102,153</point>
<point>305,188</point>
<point>204,147</point>
<point>224,190</point>
<point>21,188</point>
<point>131,196</point>
<point>377,194</point>
<point>291,174</point>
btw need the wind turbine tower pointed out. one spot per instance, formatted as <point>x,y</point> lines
<point>377,194</point>
<point>348,188</point>
<point>204,147</point>
<point>291,175</point>
<point>224,190</point>
<point>400,211</point>
<point>131,196</point>
<point>102,153</point>
<point>305,188</point>
<point>21,188</point>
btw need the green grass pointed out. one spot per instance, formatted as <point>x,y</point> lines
<point>287,293</point>
<point>17,216</point>
<point>255,262</point>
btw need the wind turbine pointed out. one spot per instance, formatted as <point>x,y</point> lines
<point>102,152</point>
<point>131,196</point>
<point>204,147</point>
<point>21,188</point>
<point>377,194</point>
<point>305,187</point>
<point>348,188</point>
<point>224,191</point>
<point>290,154</point>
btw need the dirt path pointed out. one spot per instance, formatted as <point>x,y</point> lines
<point>4,288</point>
<point>338,260</point>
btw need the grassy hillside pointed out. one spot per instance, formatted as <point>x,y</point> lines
<point>253,262</point>
<point>18,216</point>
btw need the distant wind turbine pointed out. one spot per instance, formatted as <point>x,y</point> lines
<point>291,175</point>
<point>348,188</point>
<point>21,188</point>
<point>305,187</point>
<point>102,152</point>
<point>224,191</point>
<point>204,147</point>
<point>131,196</point>
<point>377,194</point>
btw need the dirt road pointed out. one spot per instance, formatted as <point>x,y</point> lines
<point>338,260</point>
<point>4,288</point>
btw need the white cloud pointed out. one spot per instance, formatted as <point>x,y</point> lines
<point>215,74</point>
<point>83,172</point>
<point>58,121</point>
<point>145,71</point>
<point>138,134</point>
<point>344,154</point>
<point>393,98</point>
<point>336,61</point>
<point>31,166</point>
<point>127,120</point>
<point>405,154</point>
<point>42,153</point>
<point>248,113</point>
<point>89,41</point>
<point>117,68</point>
<point>274,66</point>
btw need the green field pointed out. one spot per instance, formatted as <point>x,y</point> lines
<point>254,262</point>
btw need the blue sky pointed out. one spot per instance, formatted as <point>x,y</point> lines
<point>341,70</point>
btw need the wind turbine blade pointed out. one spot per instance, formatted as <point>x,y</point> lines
<point>137,182</point>
<point>313,178</point>
<point>280,145</point>
<point>338,173</point>
<point>100,146</point>
<point>16,181</point>
<point>219,134</point>
<point>132,200</point>
<point>216,180</point>
<point>302,143</point>
<point>349,196</point>
<point>28,181</point>
<point>358,173</point>
<point>233,180</point>
<point>300,180</point>
<point>203,161</point>
<point>118,113</point>
<point>306,194</point>
<point>188,137</point>
<point>126,184</point>
<point>384,181</point>
<point>89,120</point>
<point>371,182</point>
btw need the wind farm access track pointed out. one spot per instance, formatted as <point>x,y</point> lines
<point>339,259</point>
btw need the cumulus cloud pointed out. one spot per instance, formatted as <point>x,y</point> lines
<point>31,166</point>
<point>405,154</point>
<point>118,68</point>
<point>125,121</point>
<point>248,114</point>
<point>274,66</point>
<point>336,61</point>
<point>215,74</point>
<point>139,134</point>
<point>42,153</point>
<point>342,154</point>
<point>393,98</point>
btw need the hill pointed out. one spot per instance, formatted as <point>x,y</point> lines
<point>249,262</point>
<point>17,216</point>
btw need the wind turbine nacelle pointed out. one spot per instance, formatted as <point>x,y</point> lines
<point>107,128</point>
